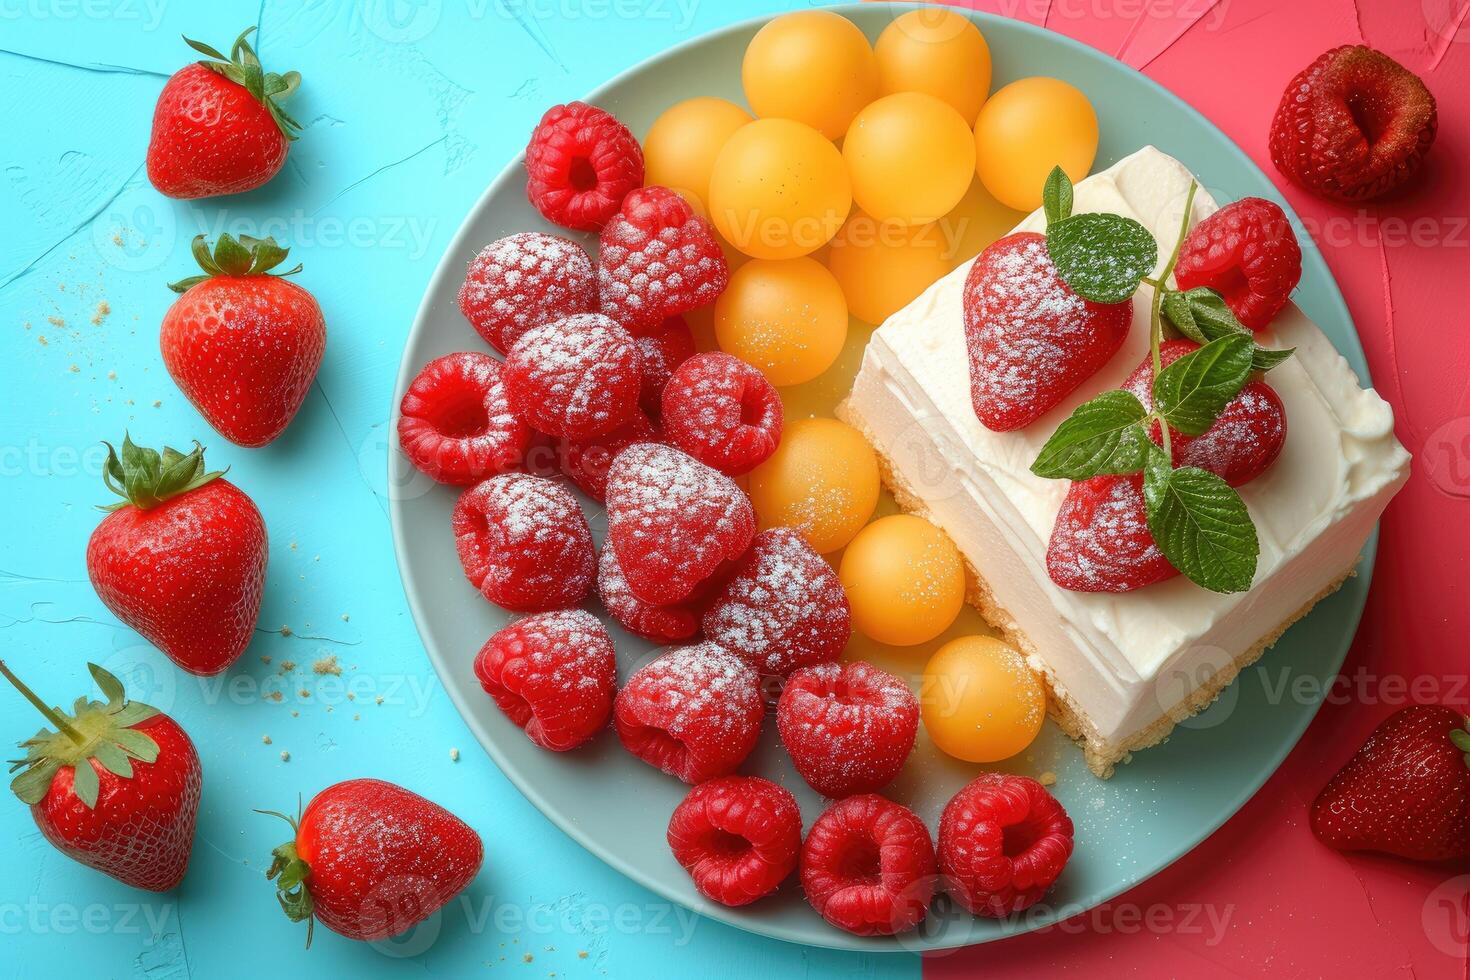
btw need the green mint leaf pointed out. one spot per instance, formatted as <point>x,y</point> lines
<point>1056,196</point>
<point>1202,315</point>
<point>1177,311</point>
<point>1265,358</point>
<point>1202,526</point>
<point>1102,257</point>
<point>1191,392</point>
<point>1101,436</point>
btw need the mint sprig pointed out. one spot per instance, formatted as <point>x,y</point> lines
<point>1105,435</point>
<point>1198,521</point>
<point>1202,315</point>
<point>1201,525</point>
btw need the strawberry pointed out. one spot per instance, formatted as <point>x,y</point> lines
<point>114,786</point>
<point>219,127</point>
<point>1407,790</point>
<point>1101,541</point>
<point>371,860</point>
<point>182,558</point>
<point>1244,440</point>
<point>1031,339</point>
<point>243,345</point>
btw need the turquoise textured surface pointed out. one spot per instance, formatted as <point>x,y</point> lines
<point>410,109</point>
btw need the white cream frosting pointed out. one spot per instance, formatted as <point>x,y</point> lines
<point>1127,658</point>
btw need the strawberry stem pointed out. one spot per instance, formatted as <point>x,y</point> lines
<point>1155,321</point>
<point>52,715</point>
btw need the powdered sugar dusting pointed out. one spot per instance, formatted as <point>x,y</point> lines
<point>783,608</point>
<point>663,624</point>
<point>695,712</point>
<point>524,543</point>
<point>848,727</point>
<point>522,281</point>
<point>554,674</point>
<point>657,258</point>
<point>1101,541</point>
<point>672,521</point>
<point>723,412</point>
<point>576,377</point>
<point>1031,340</point>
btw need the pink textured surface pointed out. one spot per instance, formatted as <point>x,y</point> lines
<point>1261,896</point>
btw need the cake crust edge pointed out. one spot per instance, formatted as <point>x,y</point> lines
<point>1102,756</point>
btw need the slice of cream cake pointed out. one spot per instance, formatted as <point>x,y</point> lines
<point>1124,668</point>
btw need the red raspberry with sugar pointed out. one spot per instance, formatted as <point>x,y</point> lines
<point>1003,841</point>
<point>662,624</point>
<point>739,837</point>
<point>554,674</point>
<point>580,164</point>
<point>587,461</point>
<point>523,281</point>
<point>694,712</point>
<point>673,521</point>
<point>664,349</point>
<point>783,607</point>
<point>455,424</point>
<point>848,727</point>
<point>867,866</point>
<point>656,259</point>
<point>577,377</point>
<point>723,412</point>
<point>524,543</point>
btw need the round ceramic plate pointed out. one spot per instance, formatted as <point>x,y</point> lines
<point>1127,828</point>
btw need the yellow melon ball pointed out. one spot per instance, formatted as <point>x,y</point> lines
<point>882,266</point>
<point>822,479</point>
<point>785,316</point>
<point>904,579</point>
<point>812,66</point>
<point>939,52</point>
<point>680,148</point>
<point>981,701</point>
<point>910,156</point>
<point>779,190</point>
<point>1026,129</point>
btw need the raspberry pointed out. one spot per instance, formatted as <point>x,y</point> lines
<point>524,543</point>
<point>1246,252</point>
<point>1003,841</point>
<point>1030,339</point>
<point>580,164</point>
<point>673,521</point>
<point>1245,439</point>
<point>868,866</point>
<point>723,412</point>
<point>1101,541</point>
<point>663,350</point>
<point>738,837</point>
<point>694,712</point>
<point>662,624</point>
<point>455,423</point>
<point>783,607</point>
<point>554,675</point>
<point>848,727</point>
<point>577,377</point>
<point>657,258</point>
<point>523,281</point>
<point>1353,125</point>
<point>586,461</point>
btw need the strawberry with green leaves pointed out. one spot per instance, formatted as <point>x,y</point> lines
<point>219,127</point>
<point>371,860</point>
<point>243,343</point>
<point>113,785</point>
<point>181,559</point>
